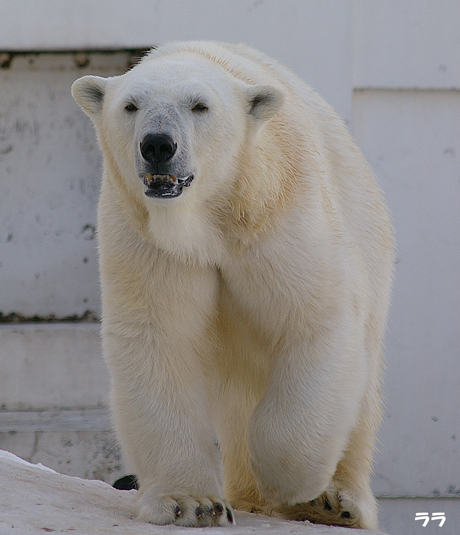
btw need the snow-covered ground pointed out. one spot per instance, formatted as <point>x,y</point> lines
<point>35,499</point>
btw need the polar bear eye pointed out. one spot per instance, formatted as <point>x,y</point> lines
<point>130,107</point>
<point>200,107</point>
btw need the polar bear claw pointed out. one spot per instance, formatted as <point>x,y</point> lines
<point>185,510</point>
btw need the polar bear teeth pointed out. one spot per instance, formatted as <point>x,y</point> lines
<point>149,178</point>
<point>165,186</point>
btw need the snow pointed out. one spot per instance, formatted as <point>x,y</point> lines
<point>15,458</point>
<point>35,499</point>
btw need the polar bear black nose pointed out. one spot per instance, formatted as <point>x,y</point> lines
<point>157,148</point>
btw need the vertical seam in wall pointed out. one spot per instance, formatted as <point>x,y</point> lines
<point>35,447</point>
<point>355,21</point>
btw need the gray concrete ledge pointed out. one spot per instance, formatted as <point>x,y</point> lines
<point>55,420</point>
<point>48,366</point>
<point>39,500</point>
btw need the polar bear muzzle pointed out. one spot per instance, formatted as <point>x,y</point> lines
<point>157,150</point>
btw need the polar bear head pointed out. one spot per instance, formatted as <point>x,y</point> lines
<point>176,121</point>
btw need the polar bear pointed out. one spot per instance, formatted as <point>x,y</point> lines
<point>246,261</point>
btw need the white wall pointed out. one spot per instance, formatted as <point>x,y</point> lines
<point>392,70</point>
<point>413,140</point>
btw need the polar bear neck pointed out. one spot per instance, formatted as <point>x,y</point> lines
<point>271,179</point>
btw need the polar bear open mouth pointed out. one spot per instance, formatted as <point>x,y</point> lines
<point>165,186</point>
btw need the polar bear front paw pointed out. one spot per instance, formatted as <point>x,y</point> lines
<point>334,507</point>
<point>184,510</point>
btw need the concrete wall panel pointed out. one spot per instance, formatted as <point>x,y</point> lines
<point>407,44</point>
<point>412,140</point>
<point>50,169</point>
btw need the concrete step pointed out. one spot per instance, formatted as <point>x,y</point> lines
<point>45,366</point>
<point>54,387</point>
<point>78,442</point>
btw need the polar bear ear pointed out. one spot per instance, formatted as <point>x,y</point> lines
<point>88,92</point>
<point>263,101</point>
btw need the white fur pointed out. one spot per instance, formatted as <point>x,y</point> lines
<point>252,307</point>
